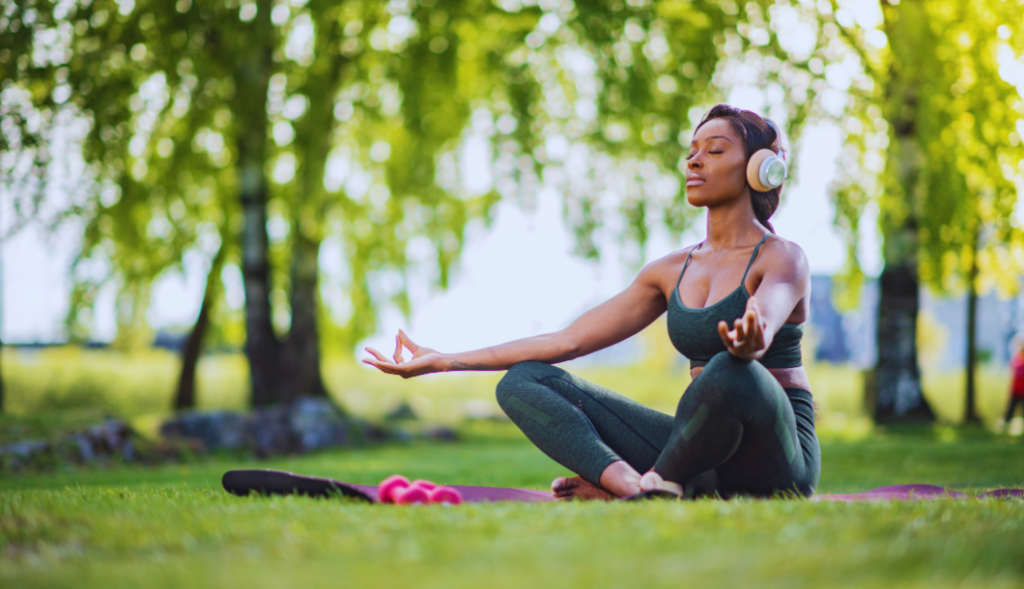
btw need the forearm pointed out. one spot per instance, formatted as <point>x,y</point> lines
<point>550,347</point>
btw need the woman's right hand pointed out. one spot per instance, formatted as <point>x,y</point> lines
<point>424,360</point>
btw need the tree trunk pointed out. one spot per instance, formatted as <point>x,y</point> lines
<point>302,349</point>
<point>186,395</point>
<point>897,375</point>
<point>313,136</point>
<point>253,77</point>
<point>1,377</point>
<point>897,387</point>
<point>970,413</point>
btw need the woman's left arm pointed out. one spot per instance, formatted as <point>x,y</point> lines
<point>785,281</point>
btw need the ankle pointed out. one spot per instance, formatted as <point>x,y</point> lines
<point>620,479</point>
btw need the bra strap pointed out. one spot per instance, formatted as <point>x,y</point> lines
<point>687,263</point>
<point>752,258</point>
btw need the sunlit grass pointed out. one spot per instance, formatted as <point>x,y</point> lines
<point>173,526</point>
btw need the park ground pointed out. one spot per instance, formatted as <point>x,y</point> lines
<point>174,526</point>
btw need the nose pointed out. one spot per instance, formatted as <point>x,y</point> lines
<point>694,163</point>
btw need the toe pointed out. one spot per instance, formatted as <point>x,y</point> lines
<point>651,481</point>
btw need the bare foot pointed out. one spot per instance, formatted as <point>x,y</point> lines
<point>652,481</point>
<point>578,488</point>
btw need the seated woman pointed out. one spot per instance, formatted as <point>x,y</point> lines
<point>745,425</point>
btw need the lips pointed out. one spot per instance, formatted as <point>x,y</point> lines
<point>692,181</point>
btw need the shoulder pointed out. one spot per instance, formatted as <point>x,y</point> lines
<point>670,264</point>
<point>781,255</point>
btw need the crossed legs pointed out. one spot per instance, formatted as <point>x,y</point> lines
<point>734,431</point>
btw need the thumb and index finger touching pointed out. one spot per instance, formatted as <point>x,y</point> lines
<point>406,341</point>
<point>403,341</point>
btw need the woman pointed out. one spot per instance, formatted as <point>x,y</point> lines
<point>746,423</point>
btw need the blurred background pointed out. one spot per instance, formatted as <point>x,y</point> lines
<point>216,204</point>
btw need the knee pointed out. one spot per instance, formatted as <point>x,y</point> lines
<point>726,373</point>
<point>726,363</point>
<point>518,374</point>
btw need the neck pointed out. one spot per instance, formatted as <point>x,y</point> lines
<point>733,224</point>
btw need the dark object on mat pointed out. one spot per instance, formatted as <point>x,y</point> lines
<point>276,482</point>
<point>652,495</point>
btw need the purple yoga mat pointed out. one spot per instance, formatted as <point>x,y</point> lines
<point>915,493</point>
<point>277,482</point>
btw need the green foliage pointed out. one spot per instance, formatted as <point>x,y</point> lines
<point>368,104</point>
<point>932,135</point>
<point>174,526</point>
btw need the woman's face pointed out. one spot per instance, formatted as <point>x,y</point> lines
<point>716,169</point>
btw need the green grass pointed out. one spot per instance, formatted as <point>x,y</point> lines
<point>173,526</point>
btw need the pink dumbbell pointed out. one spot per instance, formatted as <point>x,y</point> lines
<point>446,495</point>
<point>388,489</point>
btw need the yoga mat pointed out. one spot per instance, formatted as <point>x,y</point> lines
<point>278,482</point>
<point>915,493</point>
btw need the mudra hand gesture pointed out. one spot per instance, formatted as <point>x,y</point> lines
<point>424,360</point>
<point>746,339</point>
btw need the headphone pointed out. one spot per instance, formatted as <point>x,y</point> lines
<point>767,170</point>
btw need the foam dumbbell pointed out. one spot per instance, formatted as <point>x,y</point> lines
<point>425,485</point>
<point>446,495</point>
<point>389,487</point>
<point>411,496</point>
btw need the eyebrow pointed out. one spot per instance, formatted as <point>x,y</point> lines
<point>714,137</point>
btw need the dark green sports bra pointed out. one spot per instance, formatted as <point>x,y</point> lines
<point>694,332</point>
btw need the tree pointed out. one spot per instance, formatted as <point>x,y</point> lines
<point>175,137</point>
<point>935,127</point>
<point>180,138</point>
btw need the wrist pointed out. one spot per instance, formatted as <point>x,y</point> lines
<point>444,362</point>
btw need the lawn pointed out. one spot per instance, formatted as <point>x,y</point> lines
<point>174,527</point>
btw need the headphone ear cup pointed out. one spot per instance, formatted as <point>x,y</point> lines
<point>766,170</point>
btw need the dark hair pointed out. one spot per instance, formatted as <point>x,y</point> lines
<point>757,133</point>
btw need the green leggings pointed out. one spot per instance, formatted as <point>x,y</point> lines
<point>736,430</point>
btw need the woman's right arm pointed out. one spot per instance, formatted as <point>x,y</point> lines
<point>609,323</point>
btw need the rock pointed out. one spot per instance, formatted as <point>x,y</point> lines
<point>217,430</point>
<point>268,432</point>
<point>440,433</point>
<point>403,412</point>
<point>317,424</point>
<point>19,455</point>
<point>307,424</point>
<point>109,438</point>
<point>86,453</point>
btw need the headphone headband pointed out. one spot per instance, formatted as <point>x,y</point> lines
<point>778,135</point>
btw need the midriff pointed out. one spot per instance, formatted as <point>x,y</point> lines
<point>788,377</point>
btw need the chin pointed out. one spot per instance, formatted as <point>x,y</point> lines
<point>699,197</point>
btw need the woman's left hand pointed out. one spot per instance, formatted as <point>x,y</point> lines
<point>747,338</point>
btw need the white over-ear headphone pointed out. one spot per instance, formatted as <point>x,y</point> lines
<point>766,169</point>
